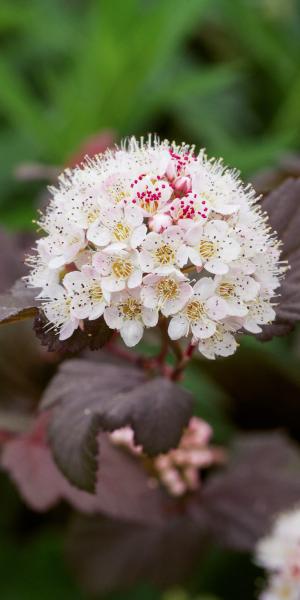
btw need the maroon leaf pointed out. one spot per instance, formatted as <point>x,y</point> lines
<point>108,555</point>
<point>94,336</point>
<point>262,480</point>
<point>91,396</point>
<point>19,303</point>
<point>283,208</point>
<point>12,248</point>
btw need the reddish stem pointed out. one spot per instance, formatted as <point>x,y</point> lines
<point>182,362</point>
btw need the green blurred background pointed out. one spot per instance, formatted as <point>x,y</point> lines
<point>224,74</point>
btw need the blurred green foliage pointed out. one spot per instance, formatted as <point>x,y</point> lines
<point>218,73</point>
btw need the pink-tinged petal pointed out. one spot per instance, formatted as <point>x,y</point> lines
<point>194,235</point>
<point>135,279</point>
<point>203,329</point>
<point>149,296</point>
<point>173,233</point>
<point>205,287</point>
<point>178,327</point>
<point>81,308</point>
<point>99,234</point>
<point>102,263</point>
<point>112,317</point>
<point>138,236</point>
<point>132,333</point>
<point>216,308</point>
<point>216,266</point>
<point>150,317</point>
<point>133,216</point>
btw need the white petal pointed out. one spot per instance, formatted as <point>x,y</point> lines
<point>99,235</point>
<point>68,329</point>
<point>203,328</point>
<point>194,235</point>
<point>178,327</point>
<point>205,287</point>
<point>112,317</point>
<point>149,296</point>
<point>229,250</point>
<point>110,284</point>
<point>146,261</point>
<point>216,229</point>
<point>135,279</point>
<point>216,266</point>
<point>216,308</point>
<point>194,256</point>
<point>132,332</point>
<point>150,317</point>
<point>138,236</point>
<point>182,255</point>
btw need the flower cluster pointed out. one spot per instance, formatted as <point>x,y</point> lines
<point>153,229</point>
<point>178,470</point>
<point>280,555</point>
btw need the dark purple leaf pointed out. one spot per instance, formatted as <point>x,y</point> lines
<point>108,555</point>
<point>95,335</point>
<point>91,396</point>
<point>17,304</point>
<point>283,208</point>
<point>261,480</point>
<point>13,247</point>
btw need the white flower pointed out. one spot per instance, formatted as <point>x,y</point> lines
<point>118,268</point>
<point>41,275</point>
<point>128,315</point>
<point>166,293</point>
<point>164,253</point>
<point>88,299</point>
<point>63,244</point>
<point>221,343</point>
<point>150,193</point>
<point>260,312</point>
<point>279,553</point>
<point>212,246</point>
<point>235,291</point>
<point>57,309</point>
<point>199,315</point>
<point>118,225</point>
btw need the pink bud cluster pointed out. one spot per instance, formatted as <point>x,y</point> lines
<point>178,470</point>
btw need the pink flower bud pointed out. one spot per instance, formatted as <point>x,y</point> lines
<point>160,222</point>
<point>183,185</point>
<point>171,170</point>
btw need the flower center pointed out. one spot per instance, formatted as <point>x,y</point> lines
<point>121,232</point>
<point>93,215</point>
<point>165,255</point>
<point>95,293</point>
<point>122,268</point>
<point>131,309</point>
<point>206,249</point>
<point>167,289</point>
<point>150,206</point>
<point>226,289</point>
<point>195,310</point>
